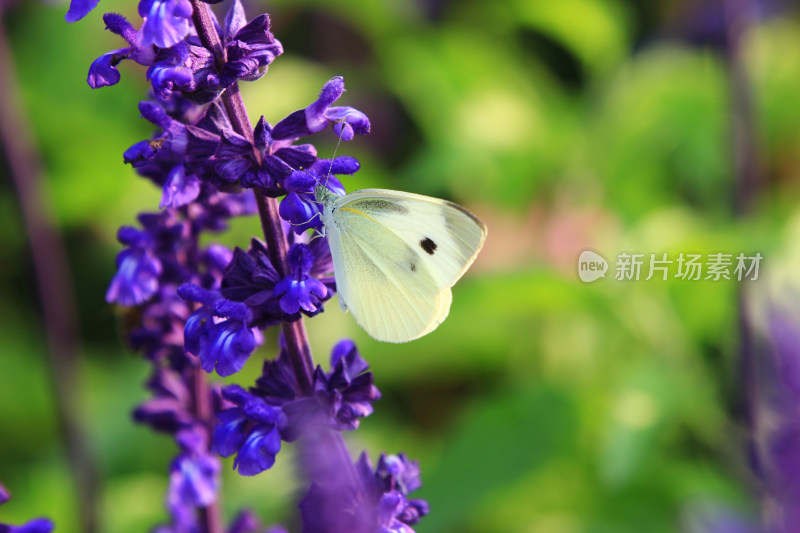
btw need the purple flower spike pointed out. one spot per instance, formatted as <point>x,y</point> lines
<point>166,22</point>
<point>79,9</point>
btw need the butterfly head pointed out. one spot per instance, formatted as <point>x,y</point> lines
<point>324,195</point>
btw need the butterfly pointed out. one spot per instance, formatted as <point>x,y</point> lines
<point>395,257</point>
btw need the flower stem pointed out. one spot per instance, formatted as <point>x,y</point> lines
<point>294,333</point>
<point>204,411</point>
<point>277,246</point>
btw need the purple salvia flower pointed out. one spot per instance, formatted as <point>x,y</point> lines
<point>251,430</point>
<point>201,308</point>
<point>37,525</point>
<point>193,474</point>
<point>250,46</point>
<point>79,9</point>
<point>103,71</point>
<point>166,22</point>
<point>319,114</point>
<point>300,206</point>
<point>218,332</point>
<point>138,270</point>
<point>299,290</point>
<point>179,189</point>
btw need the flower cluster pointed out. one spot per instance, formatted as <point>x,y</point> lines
<point>376,501</point>
<point>201,307</point>
<point>274,410</point>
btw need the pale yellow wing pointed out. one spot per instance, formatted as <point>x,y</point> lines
<point>396,256</point>
<point>446,235</point>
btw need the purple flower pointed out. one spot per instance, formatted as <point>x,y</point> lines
<point>166,22</point>
<point>79,9</point>
<point>138,271</point>
<point>179,189</point>
<point>103,71</point>
<point>371,504</point>
<point>187,66</point>
<point>37,525</point>
<point>340,398</point>
<point>251,430</point>
<point>182,63</point>
<point>218,332</point>
<point>273,164</point>
<point>250,48</point>
<point>193,480</point>
<point>300,206</point>
<point>170,410</point>
<point>299,290</point>
<point>347,121</point>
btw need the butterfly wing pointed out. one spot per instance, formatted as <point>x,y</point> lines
<point>396,255</point>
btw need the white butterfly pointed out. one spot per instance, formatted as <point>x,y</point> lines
<point>396,255</point>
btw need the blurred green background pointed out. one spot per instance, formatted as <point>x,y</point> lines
<point>543,404</point>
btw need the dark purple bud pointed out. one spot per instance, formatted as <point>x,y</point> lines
<point>194,293</point>
<point>301,181</point>
<point>139,153</point>
<point>299,157</point>
<point>262,134</point>
<point>119,25</point>
<point>315,113</point>
<point>234,20</point>
<point>155,113</point>
<point>345,355</point>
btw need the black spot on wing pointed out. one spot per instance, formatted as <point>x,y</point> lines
<point>385,206</point>
<point>428,245</point>
<point>413,267</point>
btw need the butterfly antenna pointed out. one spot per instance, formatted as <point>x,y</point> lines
<point>330,168</point>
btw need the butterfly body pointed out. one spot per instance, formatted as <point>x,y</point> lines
<point>396,255</point>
